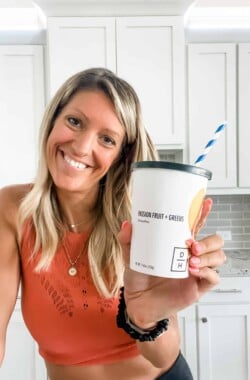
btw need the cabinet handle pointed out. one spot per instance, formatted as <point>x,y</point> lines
<point>204,320</point>
<point>227,291</point>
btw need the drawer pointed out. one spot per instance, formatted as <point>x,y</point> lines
<point>230,289</point>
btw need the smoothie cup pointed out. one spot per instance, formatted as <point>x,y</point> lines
<point>166,202</point>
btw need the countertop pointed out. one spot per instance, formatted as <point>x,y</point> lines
<point>237,263</point>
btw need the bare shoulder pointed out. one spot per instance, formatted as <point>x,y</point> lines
<point>10,200</point>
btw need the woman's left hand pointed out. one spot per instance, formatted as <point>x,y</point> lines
<point>150,298</point>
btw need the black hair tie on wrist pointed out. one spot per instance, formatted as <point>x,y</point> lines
<point>131,329</point>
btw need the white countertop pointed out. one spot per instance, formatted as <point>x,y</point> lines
<point>237,263</point>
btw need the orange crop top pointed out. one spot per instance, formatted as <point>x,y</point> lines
<point>70,321</point>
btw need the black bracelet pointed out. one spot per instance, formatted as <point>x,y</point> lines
<point>135,332</point>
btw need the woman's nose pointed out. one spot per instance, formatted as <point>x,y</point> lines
<point>84,143</point>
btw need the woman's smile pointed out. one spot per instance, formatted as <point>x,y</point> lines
<point>74,164</point>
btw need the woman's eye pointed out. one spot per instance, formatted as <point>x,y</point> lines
<point>108,140</point>
<point>74,122</point>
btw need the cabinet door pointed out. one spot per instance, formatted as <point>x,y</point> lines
<point>244,114</point>
<point>224,342</point>
<point>21,107</point>
<point>21,359</point>
<point>150,55</point>
<point>78,43</point>
<point>212,100</point>
<point>187,325</point>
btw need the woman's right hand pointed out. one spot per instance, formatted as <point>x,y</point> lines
<point>151,298</point>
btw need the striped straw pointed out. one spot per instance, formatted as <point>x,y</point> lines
<point>210,144</point>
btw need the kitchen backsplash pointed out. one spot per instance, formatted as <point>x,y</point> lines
<point>230,213</point>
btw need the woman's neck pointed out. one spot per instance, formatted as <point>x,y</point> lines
<point>77,211</point>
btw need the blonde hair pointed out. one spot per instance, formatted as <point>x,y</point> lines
<point>113,204</point>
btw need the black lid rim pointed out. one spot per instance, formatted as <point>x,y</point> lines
<point>174,166</point>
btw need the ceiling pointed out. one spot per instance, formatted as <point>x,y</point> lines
<point>231,15</point>
<point>223,3</point>
<point>202,3</point>
<point>125,7</point>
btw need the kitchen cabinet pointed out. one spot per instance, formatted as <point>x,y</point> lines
<point>218,89</point>
<point>215,332</point>
<point>150,55</point>
<point>211,101</point>
<point>21,360</point>
<point>77,43</point>
<point>244,115</point>
<point>146,51</point>
<point>21,107</point>
<point>224,341</point>
<point>188,331</point>
<point>223,323</point>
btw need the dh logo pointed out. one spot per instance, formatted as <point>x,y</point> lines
<point>180,258</point>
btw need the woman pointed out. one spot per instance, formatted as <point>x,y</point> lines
<point>67,238</point>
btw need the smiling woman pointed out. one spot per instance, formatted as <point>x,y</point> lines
<point>67,237</point>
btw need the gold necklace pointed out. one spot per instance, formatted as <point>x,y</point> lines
<point>72,271</point>
<point>74,225</point>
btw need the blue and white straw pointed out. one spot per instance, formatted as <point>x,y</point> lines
<point>210,144</point>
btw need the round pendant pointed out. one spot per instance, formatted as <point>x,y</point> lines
<point>72,271</point>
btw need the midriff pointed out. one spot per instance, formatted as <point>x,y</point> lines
<point>137,368</point>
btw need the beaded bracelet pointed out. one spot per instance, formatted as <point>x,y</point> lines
<point>134,331</point>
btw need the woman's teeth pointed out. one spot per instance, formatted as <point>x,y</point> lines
<point>73,163</point>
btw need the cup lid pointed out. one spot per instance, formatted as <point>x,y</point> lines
<point>174,166</point>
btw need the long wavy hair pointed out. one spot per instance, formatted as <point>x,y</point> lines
<point>113,204</point>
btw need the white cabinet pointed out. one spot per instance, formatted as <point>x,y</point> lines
<point>224,341</point>
<point>188,332</point>
<point>146,51</point>
<point>244,114</point>
<point>212,100</point>
<point>219,90</point>
<point>21,360</point>
<point>150,55</point>
<point>77,43</point>
<point>215,333</point>
<point>223,330</point>
<point>21,107</point>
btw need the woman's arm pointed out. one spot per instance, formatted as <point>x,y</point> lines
<point>150,299</point>
<point>9,262</point>
<point>163,352</point>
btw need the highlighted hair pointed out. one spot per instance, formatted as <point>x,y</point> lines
<point>113,204</point>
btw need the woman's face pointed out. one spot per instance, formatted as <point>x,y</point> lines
<point>84,142</point>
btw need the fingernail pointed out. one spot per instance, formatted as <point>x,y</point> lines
<point>195,270</point>
<point>197,247</point>
<point>195,260</point>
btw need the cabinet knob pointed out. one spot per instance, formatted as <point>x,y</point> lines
<point>204,320</point>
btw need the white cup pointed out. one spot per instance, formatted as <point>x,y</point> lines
<point>166,203</point>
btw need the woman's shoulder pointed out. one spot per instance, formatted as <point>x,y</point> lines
<point>11,198</point>
<point>15,193</point>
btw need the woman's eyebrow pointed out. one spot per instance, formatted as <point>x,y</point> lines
<point>113,132</point>
<point>77,110</point>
